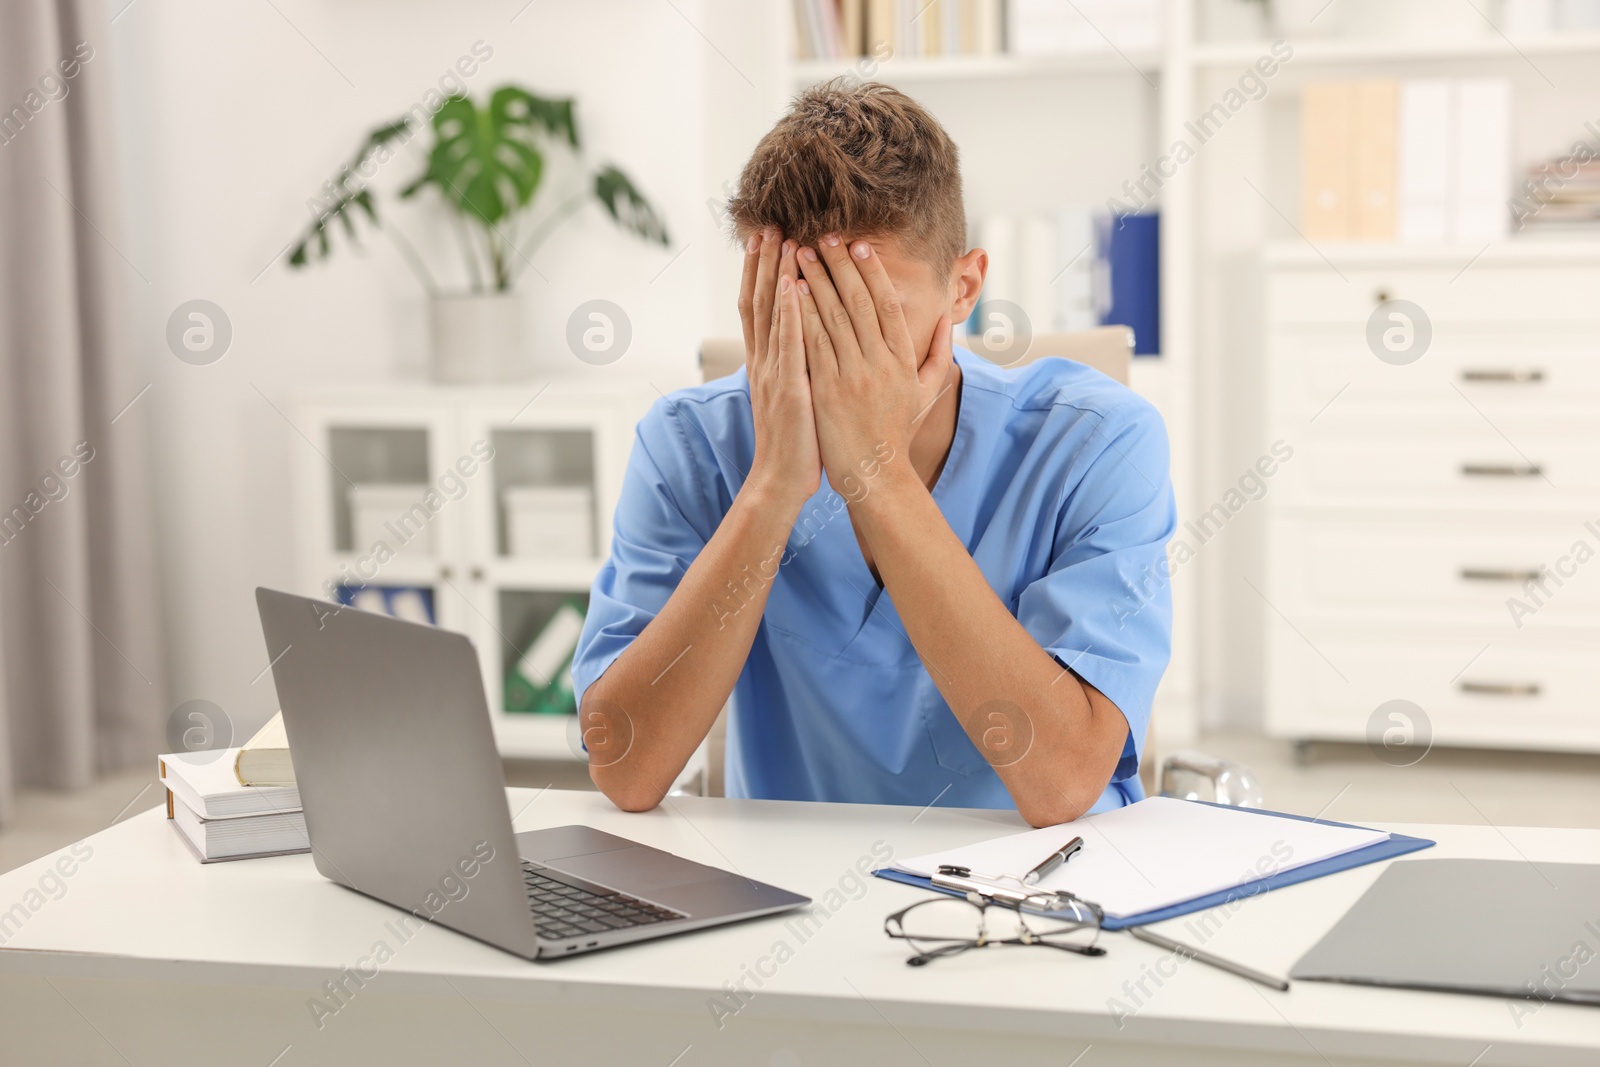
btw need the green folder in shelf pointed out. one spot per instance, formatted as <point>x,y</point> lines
<point>540,682</point>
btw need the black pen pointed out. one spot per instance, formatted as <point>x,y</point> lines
<point>1052,861</point>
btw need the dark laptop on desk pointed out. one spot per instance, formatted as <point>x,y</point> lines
<point>405,798</point>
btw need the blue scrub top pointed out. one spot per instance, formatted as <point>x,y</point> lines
<point>1057,482</point>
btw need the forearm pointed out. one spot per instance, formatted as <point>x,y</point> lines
<point>1053,740</point>
<point>659,699</point>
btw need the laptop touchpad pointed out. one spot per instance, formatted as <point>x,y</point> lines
<point>638,869</point>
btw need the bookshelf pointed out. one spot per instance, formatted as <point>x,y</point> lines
<point>1363,52</point>
<point>920,69</point>
<point>384,447</point>
<point>1039,130</point>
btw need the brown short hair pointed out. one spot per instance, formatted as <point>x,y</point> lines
<point>859,159</point>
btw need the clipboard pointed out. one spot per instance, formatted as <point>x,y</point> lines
<point>1396,845</point>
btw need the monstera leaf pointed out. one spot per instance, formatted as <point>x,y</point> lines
<point>345,192</point>
<point>628,206</point>
<point>488,162</point>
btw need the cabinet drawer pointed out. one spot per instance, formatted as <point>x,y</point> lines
<point>1476,686</point>
<point>1483,293</point>
<point>1488,473</point>
<point>1501,374</point>
<point>1450,570</point>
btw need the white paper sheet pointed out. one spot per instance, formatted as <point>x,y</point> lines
<point>1157,853</point>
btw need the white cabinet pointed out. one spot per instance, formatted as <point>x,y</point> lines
<point>487,509</point>
<point>1436,535</point>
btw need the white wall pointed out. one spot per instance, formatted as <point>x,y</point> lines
<point>231,119</point>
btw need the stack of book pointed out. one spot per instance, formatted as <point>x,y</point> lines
<point>1425,160</point>
<point>1561,195</point>
<point>221,819</point>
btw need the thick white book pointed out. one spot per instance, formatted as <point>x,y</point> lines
<point>211,788</point>
<point>1155,854</point>
<point>1483,159</point>
<point>1427,157</point>
<point>1074,269</point>
<point>1036,262</point>
<point>244,837</point>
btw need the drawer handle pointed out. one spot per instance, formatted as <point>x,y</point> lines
<point>1501,470</point>
<point>1502,689</point>
<point>1512,377</point>
<point>1485,574</point>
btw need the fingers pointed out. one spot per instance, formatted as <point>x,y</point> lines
<point>785,268</point>
<point>766,282</point>
<point>885,300</point>
<point>788,265</point>
<point>821,359</point>
<point>854,295</point>
<point>832,314</point>
<point>747,291</point>
<point>791,341</point>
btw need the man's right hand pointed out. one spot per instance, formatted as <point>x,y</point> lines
<point>788,465</point>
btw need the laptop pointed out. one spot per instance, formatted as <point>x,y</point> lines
<point>405,798</point>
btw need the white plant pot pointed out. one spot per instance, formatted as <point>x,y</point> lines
<point>477,338</point>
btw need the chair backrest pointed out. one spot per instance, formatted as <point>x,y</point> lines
<point>1108,349</point>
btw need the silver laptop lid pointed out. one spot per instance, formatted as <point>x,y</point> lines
<point>1505,928</point>
<point>397,768</point>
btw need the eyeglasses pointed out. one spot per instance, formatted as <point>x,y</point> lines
<point>951,925</point>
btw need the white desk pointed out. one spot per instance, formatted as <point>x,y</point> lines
<point>151,958</point>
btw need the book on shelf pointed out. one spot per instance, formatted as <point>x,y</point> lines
<point>540,681</point>
<point>1419,160</point>
<point>219,819</point>
<point>1327,117</point>
<point>1375,110</point>
<point>846,29</point>
<point>264,759</point>
<point>1060,272</point>
<point>1128,276</point>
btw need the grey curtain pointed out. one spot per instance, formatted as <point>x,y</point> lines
<point>81,666</point>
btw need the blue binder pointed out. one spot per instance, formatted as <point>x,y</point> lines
<point>1397,845</point>
<point>1128,262</point>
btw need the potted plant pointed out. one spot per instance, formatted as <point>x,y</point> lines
<point>486,166</point>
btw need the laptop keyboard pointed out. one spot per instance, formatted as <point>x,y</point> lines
<point>563,908</point>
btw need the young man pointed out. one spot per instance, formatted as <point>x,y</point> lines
<point>923,578</point>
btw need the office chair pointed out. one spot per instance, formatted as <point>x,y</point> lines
<point>1109,350</point>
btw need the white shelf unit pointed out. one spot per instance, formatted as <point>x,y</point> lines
<point>1124,103</point>
<point>1488,45</point>
<point>1423,498</point>
<point>567,432</point>
<point>1112,112</point>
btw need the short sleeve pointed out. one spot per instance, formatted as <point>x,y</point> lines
<point>655,538</point>
<point>1104,608</point>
